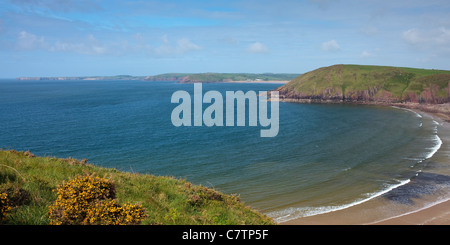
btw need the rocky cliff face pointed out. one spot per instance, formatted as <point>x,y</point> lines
<point>369,84</point>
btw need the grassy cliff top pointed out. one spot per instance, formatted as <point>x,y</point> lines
<point>30,182</point>
<point>364,82</point>
<point>220,77</point>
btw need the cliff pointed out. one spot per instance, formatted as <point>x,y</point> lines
<point>29,182</point>
<point>369,84</point>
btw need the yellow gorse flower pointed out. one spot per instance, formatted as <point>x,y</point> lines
<point>4,205</point>
<point>90,200</point>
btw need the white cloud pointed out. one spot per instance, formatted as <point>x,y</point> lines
<point>29,41</point>
<point>183,46</point>
<point>437,38</point>
<point>89,46</point>
<point>367,54</point>
<point>331,46</point>
<point>257,47</point>
<point>412,36</point>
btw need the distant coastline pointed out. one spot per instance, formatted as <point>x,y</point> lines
<point>119,77</point>
<point>258,81</point>
<point>184,77</point>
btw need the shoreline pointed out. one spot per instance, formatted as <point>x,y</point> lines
<point>441,111</point>
<point>430,209</point>
<point>434,214</point>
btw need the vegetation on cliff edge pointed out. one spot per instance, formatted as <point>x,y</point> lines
<point>31,185</point>
<point>370,83</point>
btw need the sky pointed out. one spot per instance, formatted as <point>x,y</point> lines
<point>140,38</point>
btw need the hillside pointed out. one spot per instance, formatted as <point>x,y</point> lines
<point>30,184</point>
<point>221,77</point>
<point>369,84</point>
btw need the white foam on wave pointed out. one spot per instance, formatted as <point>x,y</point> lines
<point>299,212</point>
<point>417,114</point>
<point>294,213</point>
<point>433,149</point>
<point>436,139</point>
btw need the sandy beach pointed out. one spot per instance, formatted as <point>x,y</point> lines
<point>431,208</point>
<point>438,214</point>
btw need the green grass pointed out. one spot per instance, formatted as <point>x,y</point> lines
<point>372,82</point>
<point>222,77</point>
<point>30,181</point>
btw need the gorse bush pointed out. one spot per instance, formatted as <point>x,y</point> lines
<point>50,190</point>
<point>75,197</point>
<point>90,200</point>
<point>112,213</point>
<point>4,205</point>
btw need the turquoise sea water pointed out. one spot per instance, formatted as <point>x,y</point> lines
<point>325,157</point>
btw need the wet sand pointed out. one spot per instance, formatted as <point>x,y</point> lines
<point>425,200</point>
<point>438,214</point>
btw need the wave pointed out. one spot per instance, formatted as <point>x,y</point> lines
<point>401,108</point>
<point>299,212</point>
<point>435,148</point>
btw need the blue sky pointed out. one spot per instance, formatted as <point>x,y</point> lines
<point>112,37</point>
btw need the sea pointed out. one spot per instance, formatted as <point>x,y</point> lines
<point>324,158</point>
